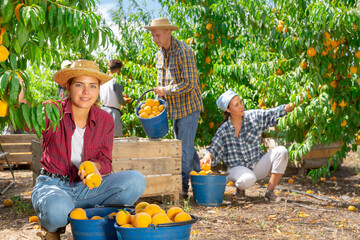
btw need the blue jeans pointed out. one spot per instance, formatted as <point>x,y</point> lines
<point>53,199</point>
<point>185,130</point>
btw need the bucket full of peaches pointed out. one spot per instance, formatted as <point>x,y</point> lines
<point>95,223</point>
<point>208,187</point>
<point>153,117</point>
<point>151,222</point>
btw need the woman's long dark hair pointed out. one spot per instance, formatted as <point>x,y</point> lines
<point>226,117</point>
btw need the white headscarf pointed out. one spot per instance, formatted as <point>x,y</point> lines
<point>223,101</point>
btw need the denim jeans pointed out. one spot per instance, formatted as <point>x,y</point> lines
<point>185,130</point>
<point>53,198</point>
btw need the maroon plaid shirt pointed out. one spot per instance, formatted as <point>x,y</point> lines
<point>98,142</point>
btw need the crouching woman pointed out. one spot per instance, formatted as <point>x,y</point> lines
<point>237,144</point>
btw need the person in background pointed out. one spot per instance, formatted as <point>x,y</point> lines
<point>85,133</point>
<point>112,96</point>
<point>237,144</point>
<point>178,83</point>
<point>61,89</point>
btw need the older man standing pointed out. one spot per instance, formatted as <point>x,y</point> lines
<point>178,83</point>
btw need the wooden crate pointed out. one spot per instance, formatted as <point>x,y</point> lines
<point>19,148</point>
<point>158,160</point>
<point>316,158</point>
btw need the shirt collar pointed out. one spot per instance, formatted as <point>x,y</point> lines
<point>172,46</point>
<point>244,122</point>
<point>67,106</point>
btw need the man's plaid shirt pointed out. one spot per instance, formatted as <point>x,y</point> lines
<point>245,150</point>
<point>177,72</point>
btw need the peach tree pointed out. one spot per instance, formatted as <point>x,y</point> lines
<point>40,33</point>
<point>271,53</point>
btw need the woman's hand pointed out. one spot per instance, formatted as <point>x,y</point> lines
<point>206,159</point>
<point>82,174</point>
<point>290,107</point>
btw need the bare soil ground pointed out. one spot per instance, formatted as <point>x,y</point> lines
<point>297,216</point>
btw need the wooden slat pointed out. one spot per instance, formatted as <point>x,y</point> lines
<point>35,164</point>
<point>19,147</point>
<point>316,154</point>
<point>295,164</point>
<point>19,159</point>
<point>17,138</point>
<point>162,185</point>
<point>149,166</point>
<point>3,154</point>
<point>316,163</point>
<point>124,148</point>
<point>334,145</point>
<point>36,147</point>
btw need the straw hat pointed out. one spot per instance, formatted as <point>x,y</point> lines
<point>161,23</point>
<point>80,68</point>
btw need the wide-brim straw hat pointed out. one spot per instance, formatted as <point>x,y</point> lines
<point>161,23</point>
<point>81,68</point>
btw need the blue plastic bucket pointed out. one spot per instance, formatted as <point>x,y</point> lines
<point>208,189</point>
<point>100,229</point>
<point>173,231</point>
<point>155,127</point>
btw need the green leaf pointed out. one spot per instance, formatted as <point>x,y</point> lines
<point>43,5</point>
<point>4,82</point>
<point>41,14</point>
<point>41,37</point>
<point>13,61</point>
<point>19,119</point>
<point>34,18</point>
<point>52,15</point>
<point>50,115</point>
<point>40,116</point>
<point>57,110</point>
<point>26,110</point>
<point>26,16</point>
<point>14,89</point>
<point>60,18</point>
<point>6,11</point>
<point>17,47</point>
<point>6,41</point>
<point>34,122</point>
<point>12,116</point>
<point>22,34</point>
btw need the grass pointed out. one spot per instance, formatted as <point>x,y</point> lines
<point>21,207</point>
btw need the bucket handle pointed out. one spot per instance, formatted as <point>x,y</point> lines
<point>114,206</point>
<point>137,102</point>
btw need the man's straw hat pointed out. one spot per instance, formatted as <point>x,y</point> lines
<point>80,68</point>
<point>161,23</point>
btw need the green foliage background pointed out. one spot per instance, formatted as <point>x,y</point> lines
<point>246,50</point>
